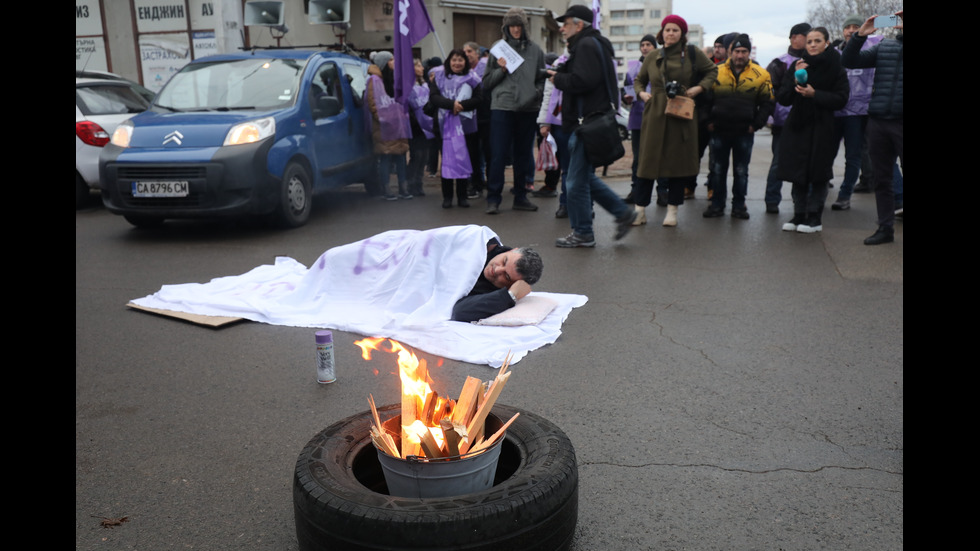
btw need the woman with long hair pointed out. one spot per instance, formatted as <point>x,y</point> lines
<point>669,144</point>
<point>456,92</point>
<point>817,88</point>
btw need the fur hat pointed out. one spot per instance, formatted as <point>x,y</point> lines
<point>515,16</point>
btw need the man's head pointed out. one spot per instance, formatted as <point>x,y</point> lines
<point>797,35</point>
<point>719,52</point>
<point>577,18</point>
<point>515,23</point>
<point>514,265</point>
<point>472,50</point>
<point>741,52</point>
<point>851,25</point>
<point>648,44</point>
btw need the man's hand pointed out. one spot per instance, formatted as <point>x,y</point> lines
<point>520,288</point>
<point>545,130</point>
<point>868,27</point>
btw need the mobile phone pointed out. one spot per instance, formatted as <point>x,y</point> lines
<point>883,21</point>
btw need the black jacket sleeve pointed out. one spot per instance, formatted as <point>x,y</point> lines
<point>477,307</point>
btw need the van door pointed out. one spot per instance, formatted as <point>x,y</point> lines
<point>334,135</point>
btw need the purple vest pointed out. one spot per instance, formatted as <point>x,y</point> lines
<point>636,109</point>
<point>417,98</point>
<point>862,83</point>
<point>782,111</point>
<point>450,87</point>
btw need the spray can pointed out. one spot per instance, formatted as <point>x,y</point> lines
<point>325,372</point>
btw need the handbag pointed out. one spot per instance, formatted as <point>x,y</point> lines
<point>599,130</point>
<point>679,106</point>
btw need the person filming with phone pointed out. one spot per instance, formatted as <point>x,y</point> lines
<point>885,112</point>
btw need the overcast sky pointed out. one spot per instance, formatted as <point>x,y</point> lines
<point>767,22</point>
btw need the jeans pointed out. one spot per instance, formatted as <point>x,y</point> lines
<point>510,129</point>
<point>584,187</point>
<point>774,186</point>
<point>738,145</point>
<point>384,172</point>
<point>851,130</point>
<point>561,138</point>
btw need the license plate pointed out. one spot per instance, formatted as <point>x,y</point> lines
<point>161,189</point>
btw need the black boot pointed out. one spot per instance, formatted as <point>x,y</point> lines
<point>884,234</point>
<point>447,193</point>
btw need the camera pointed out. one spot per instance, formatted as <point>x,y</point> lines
<point>673,88</point>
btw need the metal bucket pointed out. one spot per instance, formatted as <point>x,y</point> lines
<point>421,477</point>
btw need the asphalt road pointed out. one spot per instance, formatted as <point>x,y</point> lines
<point>727,386</point>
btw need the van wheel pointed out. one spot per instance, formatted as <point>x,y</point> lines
<point>341,501</point>
<point>295,197</point>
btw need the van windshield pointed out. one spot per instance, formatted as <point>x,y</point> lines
<point>246,84</point>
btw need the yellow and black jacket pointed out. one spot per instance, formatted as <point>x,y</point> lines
<point>743,100</point>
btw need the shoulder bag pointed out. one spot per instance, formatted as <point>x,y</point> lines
<point>599,130</point>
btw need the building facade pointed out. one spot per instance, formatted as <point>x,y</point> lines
<point>148,40</point>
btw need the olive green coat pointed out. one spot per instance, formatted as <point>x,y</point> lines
<point>668,145</point>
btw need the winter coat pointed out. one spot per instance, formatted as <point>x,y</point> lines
<point>668,145</point>
<point>383,145</point>
<point>523,89</point>
<point>808,144</point>
<point>582,80</point>
<point>887,58</point>
<point>740,101</point>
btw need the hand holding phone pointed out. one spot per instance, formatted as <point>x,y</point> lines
<point>883,21</point>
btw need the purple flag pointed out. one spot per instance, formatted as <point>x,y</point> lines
<point>412,23</point>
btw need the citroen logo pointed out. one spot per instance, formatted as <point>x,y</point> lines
<point>174,136</point>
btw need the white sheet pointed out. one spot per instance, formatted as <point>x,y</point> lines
<point>400,284</point>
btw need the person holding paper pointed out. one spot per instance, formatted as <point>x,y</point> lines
<point>514,80</point>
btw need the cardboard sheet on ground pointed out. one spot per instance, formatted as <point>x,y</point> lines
<point>400,284</point>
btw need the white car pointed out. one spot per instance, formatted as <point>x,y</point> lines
<point>100,105</point>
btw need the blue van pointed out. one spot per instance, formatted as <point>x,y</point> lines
<point>250,133</point>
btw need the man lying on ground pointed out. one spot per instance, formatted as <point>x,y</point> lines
<point>506,278</point>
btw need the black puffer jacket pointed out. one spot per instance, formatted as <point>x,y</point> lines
<point>887,59</point>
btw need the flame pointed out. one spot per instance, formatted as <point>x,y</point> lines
<point>416,390</point>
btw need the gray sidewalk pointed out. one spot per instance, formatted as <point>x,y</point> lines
<point>727,386</point>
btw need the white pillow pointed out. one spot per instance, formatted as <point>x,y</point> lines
<point>530,310</point>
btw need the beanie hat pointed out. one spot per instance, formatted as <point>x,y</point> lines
<point>720,39</point>
<point>649,38</point>
<point>677,20</point>
<point>728,39</point>
<point>742,41</point>
<point>853,20</point>
<point>799,28</point>
<point>382,58</point>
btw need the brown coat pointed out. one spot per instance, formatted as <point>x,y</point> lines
<point>668,145</point>
<point>381,146</point>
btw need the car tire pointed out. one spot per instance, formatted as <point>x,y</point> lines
<point>295,196</point>
<point>340,497</point>
<point>141,221</point>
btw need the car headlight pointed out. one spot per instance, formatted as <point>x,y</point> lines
<point>122,134</point>
<point>251,131</point>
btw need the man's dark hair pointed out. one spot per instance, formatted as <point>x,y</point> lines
<point>529,265</point>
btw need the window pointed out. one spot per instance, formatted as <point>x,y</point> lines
<point>655,14</point>
<point>634,14</point>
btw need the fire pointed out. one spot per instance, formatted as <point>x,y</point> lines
<point>430,424</point>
